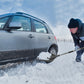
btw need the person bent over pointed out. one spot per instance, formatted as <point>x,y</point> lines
<point>77,31</point>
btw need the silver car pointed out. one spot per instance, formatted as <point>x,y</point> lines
<point>23,37</point>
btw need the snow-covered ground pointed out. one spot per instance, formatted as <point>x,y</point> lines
<point>63,70</point>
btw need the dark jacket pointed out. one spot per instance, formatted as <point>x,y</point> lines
<point>78,37</point>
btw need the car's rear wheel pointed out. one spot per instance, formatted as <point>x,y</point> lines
<point>53,50</point>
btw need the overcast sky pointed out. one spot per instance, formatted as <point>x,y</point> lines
<point>52,11</point>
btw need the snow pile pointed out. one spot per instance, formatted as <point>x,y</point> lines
<point>44,55</point>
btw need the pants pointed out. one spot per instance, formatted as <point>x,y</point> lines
<point>80,52</point>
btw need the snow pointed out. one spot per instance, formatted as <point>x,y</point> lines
<point>63,70</point>
<point>44,55</point>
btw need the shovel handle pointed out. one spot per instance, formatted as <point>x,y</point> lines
<point>70,52</point>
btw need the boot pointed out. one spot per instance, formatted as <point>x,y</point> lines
<point>78,59</point>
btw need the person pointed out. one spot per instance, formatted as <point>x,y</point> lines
<point>77,31</point>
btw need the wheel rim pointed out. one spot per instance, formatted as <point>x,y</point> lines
<point>53,51</point>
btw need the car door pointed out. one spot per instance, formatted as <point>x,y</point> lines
<point>18,43</point>
<point>42,36</point>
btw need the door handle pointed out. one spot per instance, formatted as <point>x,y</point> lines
<point>31,36</point>
<point>49,37</point>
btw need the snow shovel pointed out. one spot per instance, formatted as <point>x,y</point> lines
<point>52,57</point>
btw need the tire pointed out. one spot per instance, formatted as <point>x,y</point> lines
<point>53,50</point>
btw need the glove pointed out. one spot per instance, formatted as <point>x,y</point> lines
<point>77,47</point>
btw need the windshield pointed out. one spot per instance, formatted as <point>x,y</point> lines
<point>3,22</point>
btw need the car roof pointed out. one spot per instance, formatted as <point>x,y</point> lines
<point>23,14</point>
<point>4,15</point>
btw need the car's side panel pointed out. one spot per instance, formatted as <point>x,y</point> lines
<point>43,37</point>
<point>15,44</point>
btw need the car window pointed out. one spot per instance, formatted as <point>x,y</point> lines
<point>3,22</point>
<point>39,27</point>
<point>25,22</point>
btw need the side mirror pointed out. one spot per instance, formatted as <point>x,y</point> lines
<point>14,25</point>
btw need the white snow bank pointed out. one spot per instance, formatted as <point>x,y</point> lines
<point>62,32</point>
<point>44,55</point>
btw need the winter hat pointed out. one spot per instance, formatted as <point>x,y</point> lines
<point>73,23</point>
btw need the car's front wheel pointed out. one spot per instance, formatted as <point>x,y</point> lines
<point>53,50</point>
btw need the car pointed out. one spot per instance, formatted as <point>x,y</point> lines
<point>23,37</point>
